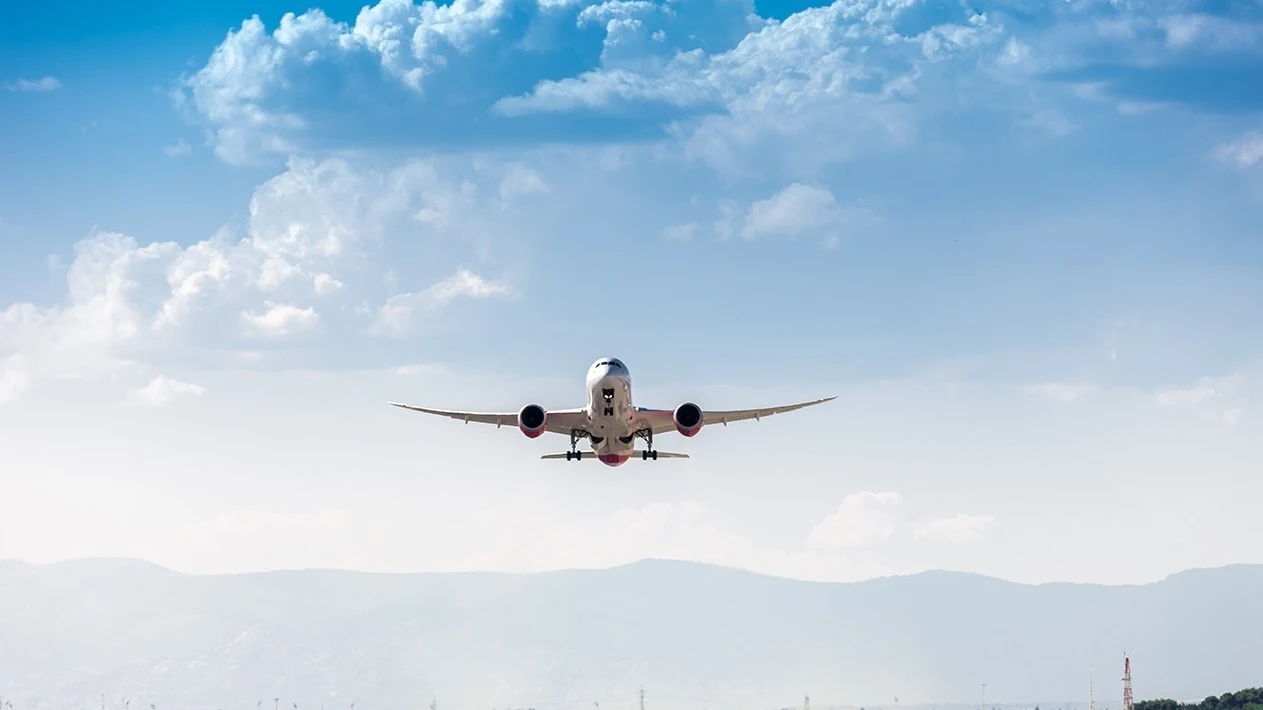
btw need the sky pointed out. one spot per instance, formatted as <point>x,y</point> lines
<point>1019,241</point>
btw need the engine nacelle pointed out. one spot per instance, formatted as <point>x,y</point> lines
<point>532,420</point>
<point>687,419</point>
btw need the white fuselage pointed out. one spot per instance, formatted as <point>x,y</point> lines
<point>611,416</point>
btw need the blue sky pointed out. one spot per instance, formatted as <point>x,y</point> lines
<point>1020,240</point>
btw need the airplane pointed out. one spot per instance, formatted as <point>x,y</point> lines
<point>610,422</point>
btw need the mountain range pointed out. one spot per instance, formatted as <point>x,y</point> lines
<point>86,632</point>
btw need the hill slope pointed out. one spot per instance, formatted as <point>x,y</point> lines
<point>694,635</point>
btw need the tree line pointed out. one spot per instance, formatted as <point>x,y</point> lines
<point>1248,699</point>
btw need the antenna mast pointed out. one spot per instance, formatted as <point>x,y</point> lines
<point>1127,697</point>
<point>1091,694</point>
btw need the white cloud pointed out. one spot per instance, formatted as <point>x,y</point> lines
<point>1217,34</point>
<point>680,232</point>
<point>800,210</point>
<point>822,85</point>
<point>281,320</point>
<point>163,390</point>
<point>13,378</point>
<point>957,529</point>
<point>744,94</point>
<point>324,283</point>
<point>1244,152</point>
<point>1213,397</point>
<point>867,519</point>
<point>42,85</point>
<point>178,149</point>
<point>314,233</point>
<point>519,180</point>
<point>862,520</point>
<point>397,316</point>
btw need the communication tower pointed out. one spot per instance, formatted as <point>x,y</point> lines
<point>1127,697</point>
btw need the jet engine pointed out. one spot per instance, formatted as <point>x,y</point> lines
<point>532,420</point>
<point>687,419</point>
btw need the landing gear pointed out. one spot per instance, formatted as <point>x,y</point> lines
<point>647,435</point>
<point>575,435</point>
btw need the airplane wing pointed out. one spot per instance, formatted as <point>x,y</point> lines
<point>659,420</point>
<point>560,421</point>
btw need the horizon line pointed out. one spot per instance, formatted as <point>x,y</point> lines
<point>614,567</point>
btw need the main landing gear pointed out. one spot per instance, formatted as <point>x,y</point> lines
<point>648,453</point>
<point>574,454</point>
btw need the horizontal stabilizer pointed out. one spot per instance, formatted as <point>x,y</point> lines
<point>590,456</point>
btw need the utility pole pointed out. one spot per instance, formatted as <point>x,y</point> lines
<point>642,697</point>
<point>984,696</point>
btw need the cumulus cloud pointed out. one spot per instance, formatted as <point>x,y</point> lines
<point>312,230</point>
<point>801,210</point>
<point>397,316</point>
<point>723,85</point>
<point>957,529</point>
<point>863,519</point>
<point>281,320</point>
<point>41,85</point>
<point>163,390</point>
<point>867,519</point>
<point>712,73</point>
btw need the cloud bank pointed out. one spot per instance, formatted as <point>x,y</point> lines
<point>725,86</point>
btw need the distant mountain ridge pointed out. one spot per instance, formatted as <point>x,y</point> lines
<point>695,635</point>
